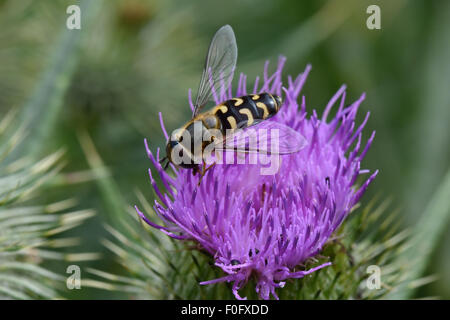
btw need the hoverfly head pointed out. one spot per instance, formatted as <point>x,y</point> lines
<point>178,150</point>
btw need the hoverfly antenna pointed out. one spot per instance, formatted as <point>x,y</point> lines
<point>161,161</point>
<point>167,164</point>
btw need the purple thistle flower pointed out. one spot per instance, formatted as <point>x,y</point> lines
<point>266,227</point>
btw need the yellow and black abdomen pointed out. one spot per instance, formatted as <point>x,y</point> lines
<point>245,111</point>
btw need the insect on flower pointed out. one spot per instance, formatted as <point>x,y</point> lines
<point>267,228</point>
<point>224,128</point>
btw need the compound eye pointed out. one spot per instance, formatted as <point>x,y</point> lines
<point>173,143</point>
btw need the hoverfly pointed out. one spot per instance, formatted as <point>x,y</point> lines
<point>232,116</point>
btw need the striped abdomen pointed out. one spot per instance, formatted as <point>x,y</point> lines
<point>244,111</point>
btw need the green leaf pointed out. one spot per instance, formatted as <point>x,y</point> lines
<point>110,192</point>
<point>26,230</point>
<point>425,237</point>
<point>39,115</point>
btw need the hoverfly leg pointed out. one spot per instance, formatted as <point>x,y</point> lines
<point>263,194</point>
<point>204,170</point>
<point>202,173</point>
<point>209,167</point>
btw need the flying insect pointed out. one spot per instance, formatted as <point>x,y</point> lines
<point>225,124</point>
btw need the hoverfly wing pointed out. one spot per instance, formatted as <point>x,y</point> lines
<point>219,66</point>
<point>264,137</point>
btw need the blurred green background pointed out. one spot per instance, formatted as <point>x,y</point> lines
<point>132,59</point>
